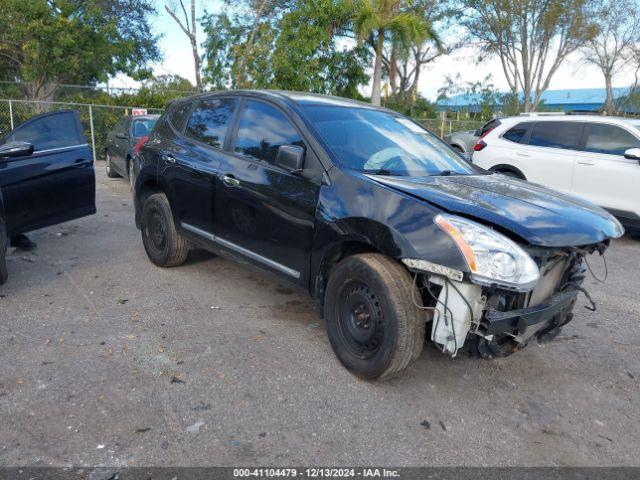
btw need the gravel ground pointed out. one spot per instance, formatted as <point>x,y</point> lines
<point>106,359</point>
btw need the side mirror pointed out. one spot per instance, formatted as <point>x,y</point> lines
<point>477,132</point>
<point>632,154</point>
<point>16,149</point>
<point>290,157</point>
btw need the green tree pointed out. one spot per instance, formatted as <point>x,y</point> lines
<point>612,48</point>
<point>49,42</point>
<point>532,38</point>
<point>376,21</point>
<point>291,47</point>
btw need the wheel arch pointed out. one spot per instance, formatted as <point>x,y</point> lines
<point>503,167</point>
<point>144,190</point>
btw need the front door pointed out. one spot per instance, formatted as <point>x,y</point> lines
<point>264,212</point>
<point>54,184</point>
<point>602,174</point>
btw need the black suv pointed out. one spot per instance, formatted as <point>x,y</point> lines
<point>387,227</point>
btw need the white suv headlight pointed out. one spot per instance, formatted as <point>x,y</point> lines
<point>491,257</point>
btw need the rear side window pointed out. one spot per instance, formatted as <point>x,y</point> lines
<point>50,131</point>
<point>517,133</point>
<point>262,130</point>
<point>210,121</point>
<point>555,135</point>
<point>609,139</point>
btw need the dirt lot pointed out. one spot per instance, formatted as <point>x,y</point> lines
<point>106,359</point>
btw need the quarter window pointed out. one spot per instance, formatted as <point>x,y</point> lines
<point>516,134</point>
<point>262,130</point>
<point>609,139</point>
<point>555,135</point>
<point>210,121</point>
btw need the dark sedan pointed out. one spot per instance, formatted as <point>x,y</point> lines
<point>386,227</point>
<point>46,176</point>
<point>122,141</point>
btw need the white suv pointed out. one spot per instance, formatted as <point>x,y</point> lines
<point>596,158</point>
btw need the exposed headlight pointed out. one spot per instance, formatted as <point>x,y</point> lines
<point>491,257</point>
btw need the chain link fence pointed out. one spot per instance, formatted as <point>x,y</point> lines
<point>98,120</point>
<point>443,126</point>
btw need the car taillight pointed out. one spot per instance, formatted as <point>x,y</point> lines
<point>479,146</point>
<point>139,145</point>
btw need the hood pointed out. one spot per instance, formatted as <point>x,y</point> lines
<point>539,215</point>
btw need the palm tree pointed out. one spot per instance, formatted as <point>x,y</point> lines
<point>377,20</point>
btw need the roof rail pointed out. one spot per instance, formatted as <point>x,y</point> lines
<point>541,114</point>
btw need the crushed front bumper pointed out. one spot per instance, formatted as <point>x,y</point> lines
<point>542,321</point>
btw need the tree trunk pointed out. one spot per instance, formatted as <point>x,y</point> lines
<point>196,60</point>
<point>377,70</point>
<point>527,101</point>
<point>393,71</point>
<point>609,107</point>
<point>194,46</point>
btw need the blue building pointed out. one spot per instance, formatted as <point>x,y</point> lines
<point>575,100</point>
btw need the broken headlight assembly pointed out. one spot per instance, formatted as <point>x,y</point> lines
<point>492,258</point>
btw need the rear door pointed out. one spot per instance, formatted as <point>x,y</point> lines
<point>189,162</point>
<point>549,153</point>
<point>54,184</point>
<point>266,213</point>
<point>602,174</point>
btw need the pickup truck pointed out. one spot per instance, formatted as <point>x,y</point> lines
<point>46,176</point>
<point>389,230</point>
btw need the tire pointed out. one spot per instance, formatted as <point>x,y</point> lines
<point>164,245</point>
<point>4,274</point>
<point>373,290</point>
<point>111,173</point>
<point>457,148</point>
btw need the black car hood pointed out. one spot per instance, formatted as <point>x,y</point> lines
<point>539,215</point>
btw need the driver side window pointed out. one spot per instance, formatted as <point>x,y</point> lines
<point>262,130</point>
<point>49,131</point>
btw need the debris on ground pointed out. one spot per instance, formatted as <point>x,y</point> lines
<point>426,424</point>
<point>195,428</point>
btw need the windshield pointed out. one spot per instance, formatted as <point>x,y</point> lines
<point>143,126</point>
<point>374,141</point>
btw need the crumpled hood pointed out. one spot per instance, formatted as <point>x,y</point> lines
<point>539,215</point>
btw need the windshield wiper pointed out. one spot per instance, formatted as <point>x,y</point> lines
<point>446,173</point>
<point>379,171</point>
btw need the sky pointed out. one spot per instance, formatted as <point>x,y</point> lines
<point>572,74</point>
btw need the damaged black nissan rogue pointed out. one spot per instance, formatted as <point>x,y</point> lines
<point>391,232</point>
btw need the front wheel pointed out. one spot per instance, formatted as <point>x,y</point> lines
<point>163,243</point>
<point>373,325</point>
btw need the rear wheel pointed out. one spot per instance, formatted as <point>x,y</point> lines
<point>111,173</point>
<point>457,148</point>
<point>374,327</point>
<point>163,243</point>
